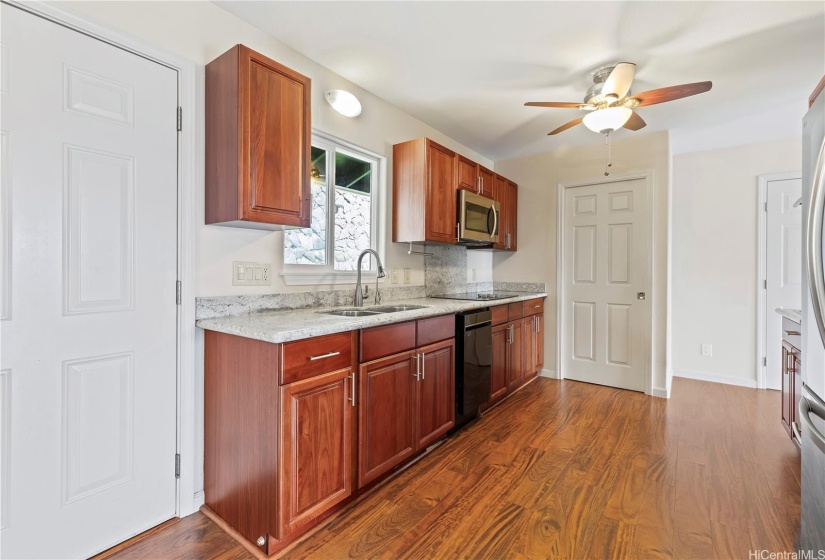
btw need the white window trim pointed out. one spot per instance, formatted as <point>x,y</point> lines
<point>309,275</point>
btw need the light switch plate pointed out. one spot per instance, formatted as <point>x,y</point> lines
<point>246,273</point>
<point>394,276</point>
<point>406,275</point>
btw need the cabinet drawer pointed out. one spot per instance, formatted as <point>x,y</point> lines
<point>500,314</point>
<point>792,332</point>
<point>515,311</point>
<point>533,307</point>
<point>306,358</point>
<point>378,342</point>
<point>435,329</point>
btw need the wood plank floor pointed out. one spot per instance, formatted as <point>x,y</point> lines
<point>570,470</point>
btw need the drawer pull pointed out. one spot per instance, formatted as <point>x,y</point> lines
<point>352,388</point>
<point>322,356</point>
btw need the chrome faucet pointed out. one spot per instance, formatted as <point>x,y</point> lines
<point>359,296</point>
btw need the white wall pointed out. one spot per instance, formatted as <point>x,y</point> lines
<point>715,214</point>
<point>538,178</point>
<point>201,31</point>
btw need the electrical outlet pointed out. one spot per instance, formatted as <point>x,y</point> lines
<point>394,276</point>
<point>406,275</point>
<point>707,350</point>
<point>251,274</point>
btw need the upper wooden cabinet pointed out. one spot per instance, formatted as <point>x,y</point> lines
<point>424,194</point>
<point>471,176</point>
<point>506,193</point>
<point>486,182</point>
<point>257,142</point>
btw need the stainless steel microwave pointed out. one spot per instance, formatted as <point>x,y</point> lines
<point>478,219</point>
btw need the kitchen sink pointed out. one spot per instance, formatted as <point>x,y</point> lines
<point>396,308</point>
<point>352,312</point>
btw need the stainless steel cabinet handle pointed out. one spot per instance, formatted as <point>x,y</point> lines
<point>352,388</point>
<point>417,366</point>
<point>816,209</point>
<point>423,365</point>
<point>322,356</point>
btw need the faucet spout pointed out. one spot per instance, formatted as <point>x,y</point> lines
<point>359,296</point>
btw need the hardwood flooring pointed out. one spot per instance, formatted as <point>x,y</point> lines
<point>570,470</point>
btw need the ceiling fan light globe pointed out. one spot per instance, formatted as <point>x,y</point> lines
<point>607,120</point>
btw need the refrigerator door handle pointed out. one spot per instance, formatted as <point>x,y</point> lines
<point>810,404</point>
<point>816,208</point>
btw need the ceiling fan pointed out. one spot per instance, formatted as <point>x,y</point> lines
<point>610,103</point>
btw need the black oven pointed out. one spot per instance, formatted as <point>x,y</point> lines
<point>474,347</point>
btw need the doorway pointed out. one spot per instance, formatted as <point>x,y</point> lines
<point>604,278</point>
<point>780,268</point>
<point>90,333</point>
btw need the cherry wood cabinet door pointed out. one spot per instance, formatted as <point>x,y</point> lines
<point>436,392</point>
<point>466,174</point>
<point>441,195</point>
<point>515,355</point>
<point>511,240</point>
<point>486,182</point>
<point>386,410</point>
<point>498,382</point>
<point>528,335</point>
<point>317,438</point>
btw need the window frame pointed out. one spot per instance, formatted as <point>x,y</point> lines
<point>310,274</point>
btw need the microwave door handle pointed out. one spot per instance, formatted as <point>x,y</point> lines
<point>495,221</point>
<point>816,209</point>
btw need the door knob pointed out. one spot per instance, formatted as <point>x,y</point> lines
<point>641,295</point>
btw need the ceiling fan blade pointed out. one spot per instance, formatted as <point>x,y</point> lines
<point>556,104</point>
<point>635,122</point>
<point>619,81</point>
<point>663,95</point>
<point>566,125</point>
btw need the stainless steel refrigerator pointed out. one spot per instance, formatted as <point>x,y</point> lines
<point>812,403</point>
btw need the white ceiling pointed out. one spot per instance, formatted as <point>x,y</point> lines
<point>466,68</point>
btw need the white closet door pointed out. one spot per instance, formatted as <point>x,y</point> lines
<point>89,338</point>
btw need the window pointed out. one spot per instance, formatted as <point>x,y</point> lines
<point>345,181</point>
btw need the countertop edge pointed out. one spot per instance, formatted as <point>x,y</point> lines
<point>794,315</point>
<point>228,325</point>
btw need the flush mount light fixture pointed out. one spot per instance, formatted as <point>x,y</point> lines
<point>344,102</point>
<point>608,119</point>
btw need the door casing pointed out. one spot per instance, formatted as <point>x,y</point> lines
<point>561,339</point>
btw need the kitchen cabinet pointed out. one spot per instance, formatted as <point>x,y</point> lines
<point>518,346</point>
<point>279,433</point>
<point>473,177</point>
<point>424,193</point>
<point>500,359</point>
<point>533,333</point>
<point>317,438</point>
<point>515,355</point>
<point>506,193</point>
<point>258,130</point>
<point>791,375</point>
<point>407,398</point>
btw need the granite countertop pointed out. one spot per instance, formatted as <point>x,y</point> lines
<point>286,326</point>
<point>794,315</point>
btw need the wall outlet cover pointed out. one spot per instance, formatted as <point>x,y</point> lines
<point>707,350</point>
<point>246,273</point>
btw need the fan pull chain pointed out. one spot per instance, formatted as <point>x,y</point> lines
<point>609,164</point>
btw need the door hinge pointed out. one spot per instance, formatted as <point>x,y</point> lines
<point>764,284</point>
<point>765,361</point>
<point>177,292</point>
<point>180,119</point>
<point>766,207</point>
<point>177,465</point>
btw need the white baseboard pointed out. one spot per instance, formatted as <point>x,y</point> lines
<point>548,373</point>
<point>660,392</point>
<point>715,378</point>
<point>199,500</point>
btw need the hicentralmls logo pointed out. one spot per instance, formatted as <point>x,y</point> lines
<point>786,555</point>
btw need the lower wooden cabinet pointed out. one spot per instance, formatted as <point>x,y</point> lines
<point>518,346</point>
<point>532,329</point>
<point>387,414</point>
<point>515,355</point>
<point>317,447</point>
<point>500,361</point>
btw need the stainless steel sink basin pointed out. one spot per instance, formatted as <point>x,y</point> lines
<point>352,312</point>
<point>396,308</point>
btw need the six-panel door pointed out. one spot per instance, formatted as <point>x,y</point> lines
<point>436,392</point>
<point>317,438</point>
<point>386,424</point>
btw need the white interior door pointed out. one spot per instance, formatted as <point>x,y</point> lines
<point>605,270</point>
<point>783,267</point>
<point>89,336</point>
